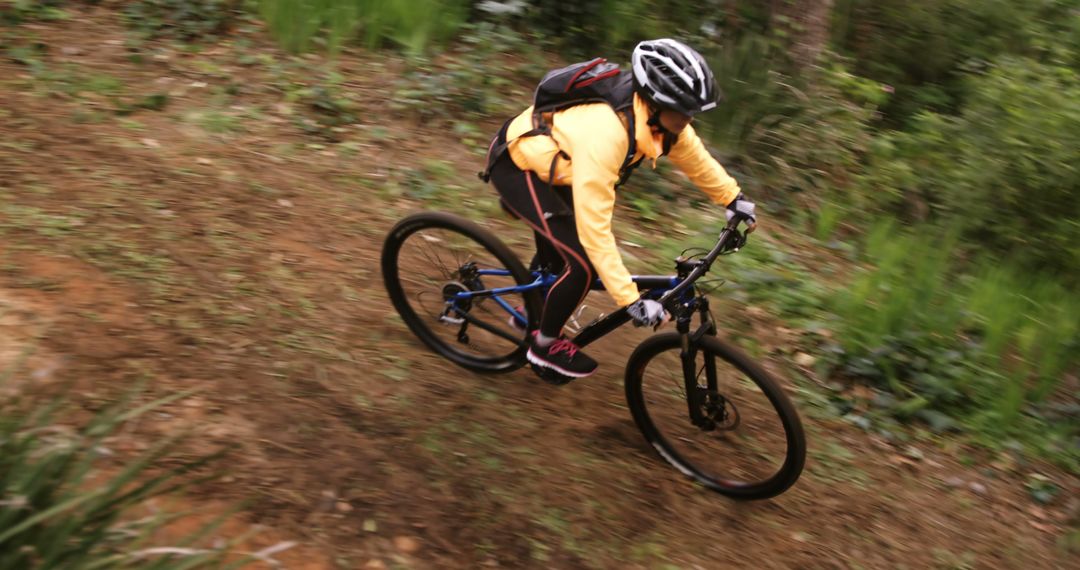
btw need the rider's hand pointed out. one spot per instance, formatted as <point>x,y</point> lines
<point>647,313</point>
<point>744,209</point>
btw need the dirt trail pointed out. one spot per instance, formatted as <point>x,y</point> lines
<point>243,263</point>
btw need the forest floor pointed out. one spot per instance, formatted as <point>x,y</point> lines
<point>201,240</point>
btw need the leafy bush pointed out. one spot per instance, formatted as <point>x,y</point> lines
<point>991,345</point>
<point>19,11</point>
<point>1004,170</point>
<point>791,141</point>
<point>475,79</point>
<point>924,48</point>
<point>183,19</point>
<point>59,509</point>
<point>814,142</point>
<point>410,24</point>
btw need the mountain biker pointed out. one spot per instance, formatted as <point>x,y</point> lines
<point>570,205</point>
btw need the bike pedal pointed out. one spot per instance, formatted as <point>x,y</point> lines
<point>550,376</point>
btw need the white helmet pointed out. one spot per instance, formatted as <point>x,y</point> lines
<point>672,75</point>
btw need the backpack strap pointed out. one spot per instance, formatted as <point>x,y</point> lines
<point>628,164</point>
<point>498,150</point>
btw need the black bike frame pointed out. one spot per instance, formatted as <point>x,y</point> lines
<point>675,293</point>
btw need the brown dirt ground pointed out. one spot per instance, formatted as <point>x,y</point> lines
<point>244,264</point>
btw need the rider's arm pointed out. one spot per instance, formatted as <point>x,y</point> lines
<point>597,144</point>
<point>691,157</point>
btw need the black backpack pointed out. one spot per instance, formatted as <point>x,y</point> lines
<point>595,81</point>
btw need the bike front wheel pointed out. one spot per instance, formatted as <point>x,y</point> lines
<point>743,440</point>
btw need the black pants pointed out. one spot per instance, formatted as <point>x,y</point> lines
<point>549,211</point>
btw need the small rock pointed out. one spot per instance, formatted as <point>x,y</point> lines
<point>913,452</point>
<point>70,50</point>
<point>370,526</point>
<point>375,564</point>
<point>206,161</point>
<point>406,544</point>
<point>343,507</point>
<point>804,360</point>
<point>977,488</point>
<point>197,84</point>
<point>861,421</point>
<point>954,482</point>
<point>800,537</point>
<point>150,143</point>
<point>285,203</point>
<point>756,311</point>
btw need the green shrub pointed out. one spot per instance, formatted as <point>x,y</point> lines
<point>58,509</point>
<point>1004,170</point>
<point>791,141</point>
<point>813,144</point>
<point>924,48</point>
<point>990,345</point>
<point>182,19</point>
<point>18,11</point>
<point>409,24</point>
<point>475,80</point>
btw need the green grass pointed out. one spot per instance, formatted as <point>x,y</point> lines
<point>413,25</point>
<point>58,510</point>
<point>982,342</point>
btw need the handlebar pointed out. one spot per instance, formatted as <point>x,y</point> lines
<point>724,242</point>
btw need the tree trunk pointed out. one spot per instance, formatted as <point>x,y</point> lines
<point>805,25</point>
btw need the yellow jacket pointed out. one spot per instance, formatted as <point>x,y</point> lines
<point>594,137</point>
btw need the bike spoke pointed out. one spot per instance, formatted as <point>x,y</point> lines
<point>738,435</point>
<point>428,279</point>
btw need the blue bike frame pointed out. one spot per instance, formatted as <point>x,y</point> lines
<point>654,287</point>
<point>670,291</point>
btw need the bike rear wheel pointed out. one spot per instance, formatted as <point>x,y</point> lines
<point>750,444</point>
<point>431,257</point>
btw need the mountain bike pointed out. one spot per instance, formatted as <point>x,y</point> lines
<point>704,405</point>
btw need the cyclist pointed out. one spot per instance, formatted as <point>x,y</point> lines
<point>569,202</point>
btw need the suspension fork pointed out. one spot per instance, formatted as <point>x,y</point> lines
<point>708,327</point>
<point>695,393</point>
<point>688,354</point>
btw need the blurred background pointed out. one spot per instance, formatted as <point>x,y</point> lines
<point>193,194</point>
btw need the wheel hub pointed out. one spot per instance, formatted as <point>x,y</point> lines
<point>719,413</point>
<point>454,306</point>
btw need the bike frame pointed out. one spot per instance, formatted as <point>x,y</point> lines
<point>675,292</point>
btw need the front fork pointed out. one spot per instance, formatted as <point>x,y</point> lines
<point>697,394</point>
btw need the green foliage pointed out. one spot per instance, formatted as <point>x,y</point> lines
<point>183,19</point>
<point>410,24</point>
<point>1004,170</point>
<point>788,139</point>
<point>328,107</point>
<point>19,11</point>
<point>60,509</point>
<point>991,345</point>
<point>924,47</point>
<point>813,140</point>
<point>752,90</point>
<point>596,27</point>
<point>475,80</point>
